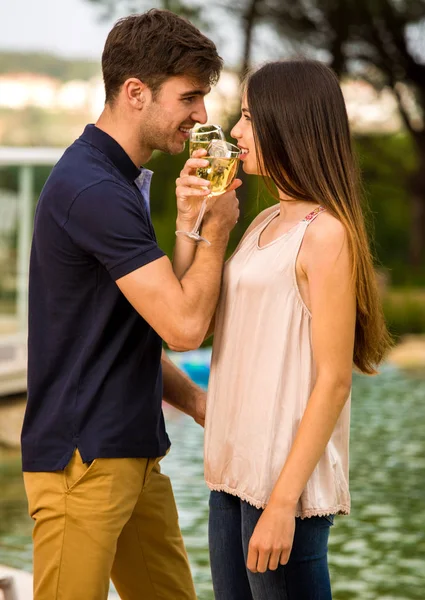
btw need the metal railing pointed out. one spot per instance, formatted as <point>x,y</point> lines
<point>26,159</point>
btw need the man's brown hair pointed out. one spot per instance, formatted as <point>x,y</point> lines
<point>154,46</point>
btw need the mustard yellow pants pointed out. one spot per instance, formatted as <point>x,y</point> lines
<point>115,518</point>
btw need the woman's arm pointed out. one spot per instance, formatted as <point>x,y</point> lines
<point>325,260</point>
<point>184,250</point>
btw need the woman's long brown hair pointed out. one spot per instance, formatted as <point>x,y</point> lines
<point>302,137</point>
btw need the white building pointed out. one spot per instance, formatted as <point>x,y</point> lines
<point>22,90</point>
<point>73,95</point>
<point>368,110</point>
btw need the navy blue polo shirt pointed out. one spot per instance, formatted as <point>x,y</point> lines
<point>94,364</point>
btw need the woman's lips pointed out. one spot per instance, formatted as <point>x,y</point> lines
<point>243,154</point>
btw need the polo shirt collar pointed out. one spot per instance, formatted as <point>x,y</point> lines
<point>116,153</point>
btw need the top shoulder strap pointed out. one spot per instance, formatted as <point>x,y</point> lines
<point>314,213</point>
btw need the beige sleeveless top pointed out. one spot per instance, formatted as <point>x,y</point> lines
<point>262,375</point>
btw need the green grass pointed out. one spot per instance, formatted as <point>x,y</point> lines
<point>404,310</point>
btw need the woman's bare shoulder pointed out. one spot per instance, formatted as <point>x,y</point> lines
<point>325,227</point>
<point>325,239</point>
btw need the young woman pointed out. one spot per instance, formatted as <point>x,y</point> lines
<point>299,305</point>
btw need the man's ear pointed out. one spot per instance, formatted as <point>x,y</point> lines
<point>135,92</point>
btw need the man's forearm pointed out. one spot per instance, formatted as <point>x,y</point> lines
<point>201,283</point>
<point>179,390</point>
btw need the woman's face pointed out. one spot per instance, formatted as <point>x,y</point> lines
<point>242,131</point>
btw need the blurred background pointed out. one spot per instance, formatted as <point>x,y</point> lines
<point>51,86</point>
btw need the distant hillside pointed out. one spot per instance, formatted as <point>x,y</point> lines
<point>48,64</point>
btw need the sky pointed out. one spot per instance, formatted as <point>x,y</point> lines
<point>70,28</point>
<point>74,28</point>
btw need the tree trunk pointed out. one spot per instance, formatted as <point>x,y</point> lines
<point>417,190</point>
<point>417,239</point>
<point>249,19</point>
<point>339,22</point>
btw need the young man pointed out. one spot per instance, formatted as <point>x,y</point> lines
<point>102,295</point>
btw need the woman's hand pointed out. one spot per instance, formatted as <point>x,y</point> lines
<point>272,539</point>
<point>191,190</point>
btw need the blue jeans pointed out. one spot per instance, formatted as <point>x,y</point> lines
<point>304,577</point>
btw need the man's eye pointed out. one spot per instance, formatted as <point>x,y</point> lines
<point>189,100</point>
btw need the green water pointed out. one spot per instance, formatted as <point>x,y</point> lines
<point>378,552</point>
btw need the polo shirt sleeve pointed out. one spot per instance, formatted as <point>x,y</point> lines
<point>110,222</point>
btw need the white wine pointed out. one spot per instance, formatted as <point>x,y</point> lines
<point>197,145</point>
<point>221,172</point>
<point>223,161</point>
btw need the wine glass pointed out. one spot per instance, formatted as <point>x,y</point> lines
<point>202,135</point>
<point>223,159</point>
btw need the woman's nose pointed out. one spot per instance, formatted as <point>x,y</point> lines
<point>235,132</point>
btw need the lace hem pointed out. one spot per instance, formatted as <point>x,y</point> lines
<point>222,487</point>
<point>340,509</point>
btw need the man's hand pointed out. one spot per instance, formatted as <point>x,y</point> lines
<point>200,408</point>
<point>181,392</point>
<point>272,539</point>
<point>191,191</point>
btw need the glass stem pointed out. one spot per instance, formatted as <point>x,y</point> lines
<point>202,210</point>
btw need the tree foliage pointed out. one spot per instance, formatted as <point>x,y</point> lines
<point>378,40</point>
<point>47,64</point>
<point>112,8</point>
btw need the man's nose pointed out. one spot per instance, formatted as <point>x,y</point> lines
<point>200,115</point>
